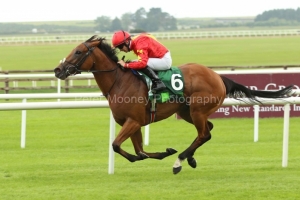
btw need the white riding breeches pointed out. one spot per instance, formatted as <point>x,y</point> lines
<point>163,63</point>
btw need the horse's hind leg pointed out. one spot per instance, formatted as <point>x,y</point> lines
<point>200,122</point>
<point>137,141</point>
<point>190,158</point>
<point>185,115</point>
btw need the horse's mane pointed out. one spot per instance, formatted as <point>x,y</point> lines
<point>105,48</point>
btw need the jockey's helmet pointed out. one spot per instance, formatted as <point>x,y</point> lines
<point>119,37</point>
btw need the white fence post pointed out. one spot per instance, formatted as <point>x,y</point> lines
<point>23,127</point>
<point>256,122</point>
<point>111,157</point>
<point>147,135</point>
<point>58,87</point>
<point>286,126</point>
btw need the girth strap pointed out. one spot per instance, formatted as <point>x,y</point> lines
<point>153,110</point>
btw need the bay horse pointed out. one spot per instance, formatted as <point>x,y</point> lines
<point>204,92</point>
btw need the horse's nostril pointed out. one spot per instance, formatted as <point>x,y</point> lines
<point>57,70</point>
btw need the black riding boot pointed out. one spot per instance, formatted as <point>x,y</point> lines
<point>157,84</point>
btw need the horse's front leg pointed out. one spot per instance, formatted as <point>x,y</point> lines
<point>129,128</point>
<point>137,141</point>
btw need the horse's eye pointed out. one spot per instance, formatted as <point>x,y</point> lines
<point>78,52</point>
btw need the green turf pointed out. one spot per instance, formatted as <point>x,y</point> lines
<point>237,51</point>
<point>66,157</point>
<point>210,52</point>
<point>33,57</point>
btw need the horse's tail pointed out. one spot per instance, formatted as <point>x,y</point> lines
<point>237,90</point>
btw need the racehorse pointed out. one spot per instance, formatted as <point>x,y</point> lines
<point>204,92</point>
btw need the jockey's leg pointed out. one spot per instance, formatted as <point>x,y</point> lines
<point>157,84</point>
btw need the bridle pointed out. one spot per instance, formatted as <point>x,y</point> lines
<point>77,70</point>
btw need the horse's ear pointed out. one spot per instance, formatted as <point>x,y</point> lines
<point>92,38</point>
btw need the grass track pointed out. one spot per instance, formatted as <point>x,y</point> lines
<point>66,157</point>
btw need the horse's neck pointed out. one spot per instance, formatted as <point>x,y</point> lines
<point>112,81</point>
<point>106,77</point>
<point>106,80</point>
<point>126,83</point>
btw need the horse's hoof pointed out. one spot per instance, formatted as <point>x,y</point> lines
<point>192,162</point>
<point>176,170</point>
<point>171,151</point>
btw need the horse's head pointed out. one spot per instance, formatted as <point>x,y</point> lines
<point>78,60</point>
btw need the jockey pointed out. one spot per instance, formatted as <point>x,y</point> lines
<point>151,55</point>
